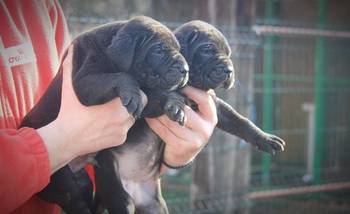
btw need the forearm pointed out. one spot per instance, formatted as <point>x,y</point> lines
<point>231,121</point>
<point>54,137</point>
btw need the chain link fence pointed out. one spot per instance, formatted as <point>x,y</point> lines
<point>294,108</point>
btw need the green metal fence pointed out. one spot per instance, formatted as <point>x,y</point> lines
<point>301,92</point>
<point>291,92</point>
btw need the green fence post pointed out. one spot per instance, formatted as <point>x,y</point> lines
<point>267,91</point>
<point>319,95</point>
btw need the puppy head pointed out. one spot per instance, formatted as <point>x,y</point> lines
<point>150,52</point>
<point>208,55</point>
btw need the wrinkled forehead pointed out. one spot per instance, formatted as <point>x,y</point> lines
<point>165,37</point>
<point>153,31</point>
<point>213,36</point>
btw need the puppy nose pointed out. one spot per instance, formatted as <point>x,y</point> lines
<point>183,71</point>
<point>228,71</point>
<point>185,68</point>
<point>181,67</point>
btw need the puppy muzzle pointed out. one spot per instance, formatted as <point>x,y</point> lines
<point>176,77</point>
<point>219,75</point>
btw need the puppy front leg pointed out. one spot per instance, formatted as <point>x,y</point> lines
<point>170,103</point>
<point>94,89</point>
<point>155,104</point>
<point>232,122</point>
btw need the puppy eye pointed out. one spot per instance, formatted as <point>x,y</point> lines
<point>159,49</point>
<point>209,46</point>
<point>207,49</point>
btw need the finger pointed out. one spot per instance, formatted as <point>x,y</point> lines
<point>141,105</point>
<point>204,101</point>
<point>194,121</point>
<point>116,108</point>
<point>163,132</point>
<point>129,122</point>
<point>182,132</point>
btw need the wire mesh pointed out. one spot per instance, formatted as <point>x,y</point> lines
<point>293,87</point>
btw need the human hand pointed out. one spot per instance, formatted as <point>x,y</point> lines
<point>183,143</point>
<point>79,129</point>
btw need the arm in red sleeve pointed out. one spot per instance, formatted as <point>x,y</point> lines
<point>24,164</point>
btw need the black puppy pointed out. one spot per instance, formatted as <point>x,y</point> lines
<point>207,53</point>
<point>115,60</point>
<point>128,176</point>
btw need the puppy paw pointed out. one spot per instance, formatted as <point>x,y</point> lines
<point>174,109</point>
<point>270,143</point>
<point>132,101</point>
<point>175,112</point>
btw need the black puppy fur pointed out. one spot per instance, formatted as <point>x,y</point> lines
<point>115,60</point>
<point>207,53</point>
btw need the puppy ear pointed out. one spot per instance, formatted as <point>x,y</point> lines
<point>192,37</point>
<point>121,51</point>
<point>186,40</point>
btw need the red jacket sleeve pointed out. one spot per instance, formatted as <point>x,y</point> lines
<point>24,164</point>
